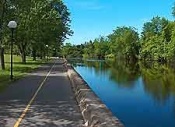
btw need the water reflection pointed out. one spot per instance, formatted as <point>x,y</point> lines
<point>124,74</point>
<point>148,90</point>
<point>158,81</point>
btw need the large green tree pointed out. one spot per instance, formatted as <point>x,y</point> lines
<point>125,43</point>
<point>154,39</point>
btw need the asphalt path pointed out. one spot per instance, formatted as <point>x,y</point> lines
<point>43,98</point>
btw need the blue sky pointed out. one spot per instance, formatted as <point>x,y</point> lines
<point>94,18</point>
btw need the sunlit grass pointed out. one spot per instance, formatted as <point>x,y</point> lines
<point>19,69</point>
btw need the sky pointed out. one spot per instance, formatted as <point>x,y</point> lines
<point>94,18</point>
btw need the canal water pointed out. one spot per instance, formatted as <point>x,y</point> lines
<point>139,95</point>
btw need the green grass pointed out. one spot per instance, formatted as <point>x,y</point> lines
<point>19,69</point>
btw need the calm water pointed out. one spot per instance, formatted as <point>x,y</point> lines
<point>139,95</point>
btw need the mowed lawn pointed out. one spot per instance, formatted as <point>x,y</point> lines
<point>19,69</point>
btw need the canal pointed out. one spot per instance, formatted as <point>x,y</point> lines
<point>140,95</point>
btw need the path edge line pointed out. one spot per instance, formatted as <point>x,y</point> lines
<point>17,123</point>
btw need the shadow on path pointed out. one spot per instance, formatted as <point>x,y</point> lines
<point>57,114</point>
<point>54,106</point>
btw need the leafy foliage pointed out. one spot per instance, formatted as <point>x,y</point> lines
<point>40,23</point>
<point>156,43</point>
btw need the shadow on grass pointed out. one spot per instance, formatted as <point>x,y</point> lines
<point>28,63</point>
<point>31,62</point>
<point>4,81</point>
<point>21,69</point>
<point>3,85</point>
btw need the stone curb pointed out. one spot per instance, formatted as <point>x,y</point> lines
<point>94,112</point>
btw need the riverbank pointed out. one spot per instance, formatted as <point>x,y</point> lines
<point>94,112</point>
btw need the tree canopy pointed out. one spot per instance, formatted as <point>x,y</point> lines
<point>40,23</point>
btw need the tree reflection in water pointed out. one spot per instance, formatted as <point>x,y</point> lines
<point>158,79</point>
<point>124,74</point>
<point>147,88</point>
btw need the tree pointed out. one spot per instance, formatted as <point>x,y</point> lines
<point>40,23</point>
<point>101,46</point>
<point>2,15</point>
<point>124,42</point>
<point>154,37</point>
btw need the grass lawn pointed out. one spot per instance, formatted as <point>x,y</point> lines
<point>19,69</point>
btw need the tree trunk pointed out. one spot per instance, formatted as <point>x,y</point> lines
<point>2,62</point>
<point>41,54</point>
<point>23,56</point>
<point>22,49</point>
<point>34,54</point>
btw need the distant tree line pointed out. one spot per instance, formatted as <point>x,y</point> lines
<point>156,42</point>
<point>40,23</point>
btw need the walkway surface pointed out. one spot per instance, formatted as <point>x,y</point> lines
<point>44,98</point>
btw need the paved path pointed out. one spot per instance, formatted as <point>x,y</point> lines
<point>37,101</point>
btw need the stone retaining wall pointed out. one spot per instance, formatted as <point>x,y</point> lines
<point>95,113</point>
